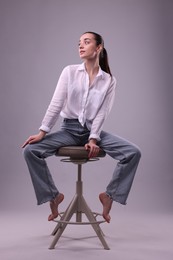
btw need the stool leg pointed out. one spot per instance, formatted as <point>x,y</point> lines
<point>83,207</point>
<point>61,226</point>
<point>79,192</point>
<point>65,214</point>
<point>95,226</point>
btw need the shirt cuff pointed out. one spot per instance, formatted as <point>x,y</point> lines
<point>95,136</point>
<point>44,128</point>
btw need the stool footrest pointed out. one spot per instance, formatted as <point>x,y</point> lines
<point>95,214</point>
<point>79,161</point>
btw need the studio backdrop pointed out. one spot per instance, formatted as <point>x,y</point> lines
<point>38,39</point>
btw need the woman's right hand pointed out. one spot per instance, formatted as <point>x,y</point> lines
<point>34,138</point>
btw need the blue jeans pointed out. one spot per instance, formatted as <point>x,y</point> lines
<point>73,133</point>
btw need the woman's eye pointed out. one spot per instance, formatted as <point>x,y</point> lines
<point>87,42</point>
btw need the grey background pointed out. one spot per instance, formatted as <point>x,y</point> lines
<point>39,38</point>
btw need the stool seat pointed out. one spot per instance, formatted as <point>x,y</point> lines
<point>76,152</point>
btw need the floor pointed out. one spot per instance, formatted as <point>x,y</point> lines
<point>131,236</point>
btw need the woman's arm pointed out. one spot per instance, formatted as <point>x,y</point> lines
<point>53,110</point>
<point>103,112</point>
<point>57,102</point>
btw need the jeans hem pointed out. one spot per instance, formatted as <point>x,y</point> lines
<point>120,202</point>
<point>47,200</point>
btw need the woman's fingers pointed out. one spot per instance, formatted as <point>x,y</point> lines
<point>93,150</point>
<point>31,140</point>
<point>25,143</point>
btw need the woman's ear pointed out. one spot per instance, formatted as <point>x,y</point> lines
<point>99,48</point>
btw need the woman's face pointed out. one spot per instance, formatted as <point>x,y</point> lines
<point>87,47</point>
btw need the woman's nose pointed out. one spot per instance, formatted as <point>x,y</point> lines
<point>80,46</point>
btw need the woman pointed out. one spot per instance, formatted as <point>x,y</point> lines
<point>83,97</point>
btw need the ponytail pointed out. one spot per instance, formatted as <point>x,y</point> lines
<point>103,58</point>
<point>103,61</point>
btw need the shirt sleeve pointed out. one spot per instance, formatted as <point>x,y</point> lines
<point>57,102</point>
<point>103,112</point>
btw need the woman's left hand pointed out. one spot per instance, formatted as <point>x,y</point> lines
<point>93,148</point>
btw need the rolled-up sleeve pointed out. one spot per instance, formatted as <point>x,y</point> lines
<point>103,112</point>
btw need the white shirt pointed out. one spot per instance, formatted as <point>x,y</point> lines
<point>75,99</point>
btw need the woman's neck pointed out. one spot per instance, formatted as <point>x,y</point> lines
<point>92,67</point>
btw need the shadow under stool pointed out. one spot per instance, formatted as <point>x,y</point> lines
<point>78,206</point>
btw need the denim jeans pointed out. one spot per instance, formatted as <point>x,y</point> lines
<point>73,133</point>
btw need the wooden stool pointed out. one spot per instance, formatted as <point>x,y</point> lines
<point>78,155</point>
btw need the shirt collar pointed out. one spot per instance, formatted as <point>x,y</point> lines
<point>99,74</point>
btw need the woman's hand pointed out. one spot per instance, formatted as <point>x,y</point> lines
<point>92,147</point>
<point>34,138</point>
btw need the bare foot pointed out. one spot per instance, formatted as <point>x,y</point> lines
<point>54,206</point>
<point>107,204</point>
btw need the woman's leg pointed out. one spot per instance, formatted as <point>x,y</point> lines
<point>72,133</point>
<point>128,156</point>
<point>35,155</point>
